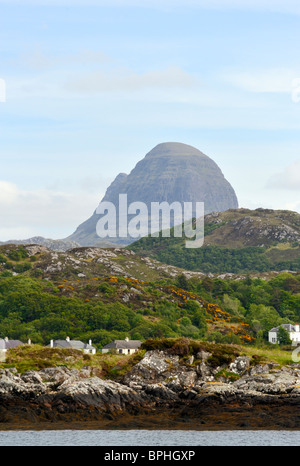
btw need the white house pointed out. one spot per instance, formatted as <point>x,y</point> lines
<point>293,330</point>
<point>6,344</point>
<point>74,344</point>
<point>122,346</point>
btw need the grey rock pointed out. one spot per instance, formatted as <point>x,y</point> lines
<point>171,172</point>
<point>240,364</point>
<point>158,380</point>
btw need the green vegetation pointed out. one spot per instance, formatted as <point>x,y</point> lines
<point>112,366</point>
<point>36,357</point>
<point>103,307</point>
<point>41,310</point>
<point>262,304</point>
<point>216,259</point>
<point>220,353</point>
<point>235,241</point>
<point>224,311</point>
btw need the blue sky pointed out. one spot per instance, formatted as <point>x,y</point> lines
<point>87,88</point>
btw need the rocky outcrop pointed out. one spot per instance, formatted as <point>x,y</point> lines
<point>260,227</point>
<point>161,390</point>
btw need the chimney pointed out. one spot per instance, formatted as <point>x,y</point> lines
<point>29,341</point>
<point>68,338</point>
<point>297,327</point>
<point>51,343</point>
<point>90,342</point>
<point>126,339</point>
<point>6,338</point>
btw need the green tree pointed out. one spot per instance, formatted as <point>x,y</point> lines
<point>263,318</point>
<point>283,336</point>
<point>182,282</point>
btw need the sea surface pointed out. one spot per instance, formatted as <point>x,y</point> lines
<point>149,438</point>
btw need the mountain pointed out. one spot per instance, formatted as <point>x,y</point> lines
<point>171,172</point>
<point>59,245</point>
<point>235,241</point>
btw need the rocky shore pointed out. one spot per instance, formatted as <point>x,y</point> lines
<point>162,391</point>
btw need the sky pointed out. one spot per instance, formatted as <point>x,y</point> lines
<point>89,87</point>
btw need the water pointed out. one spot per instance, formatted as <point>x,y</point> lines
<point>149,438</point>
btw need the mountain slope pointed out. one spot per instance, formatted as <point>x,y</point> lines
<point>107,294</point>
<point>95,293</point>
<point>236,241</point>
<point>170,172</point>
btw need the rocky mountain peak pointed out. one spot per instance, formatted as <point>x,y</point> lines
<point>170,172</point>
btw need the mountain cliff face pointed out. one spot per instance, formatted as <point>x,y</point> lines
<point>171,172</point>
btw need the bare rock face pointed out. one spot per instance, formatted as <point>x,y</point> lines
<point>171,172</point>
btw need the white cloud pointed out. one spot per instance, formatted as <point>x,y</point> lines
<point>42,212</point>
<point>288,179</point>
<point>8,193</point>
<point>276,80</point>
<point>127,80</point>
<point>38,59</point>
<point>294,206</point>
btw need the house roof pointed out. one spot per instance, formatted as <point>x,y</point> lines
<point>8,344</point>
<point>288,327</point>
<point>123,344</point>
<point>74,344</point>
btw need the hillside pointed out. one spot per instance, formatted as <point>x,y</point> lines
<point>107,294</point>
<point>236,241</point>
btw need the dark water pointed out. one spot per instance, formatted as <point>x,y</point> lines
<point>149,438</point>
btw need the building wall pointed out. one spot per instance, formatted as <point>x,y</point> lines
<point>88,351</point>
<point>294,336</point>
<point>273,337</point>
<point>119,351</point>
<point>127,351</point>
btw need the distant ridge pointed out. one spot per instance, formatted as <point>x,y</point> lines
<point>58,245</point>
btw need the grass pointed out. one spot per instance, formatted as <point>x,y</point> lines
<point>222,353</point>
<point>36,357</point>
<point>266,355</point>
<point>113,366</point>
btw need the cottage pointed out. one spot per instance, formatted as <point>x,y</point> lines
<point>6,344</point>
<point>74,344</point>
<point>122,346</point>
<point>293,330</point>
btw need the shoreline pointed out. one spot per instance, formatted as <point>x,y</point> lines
<point>207,417</point>
<point>159,393</point>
